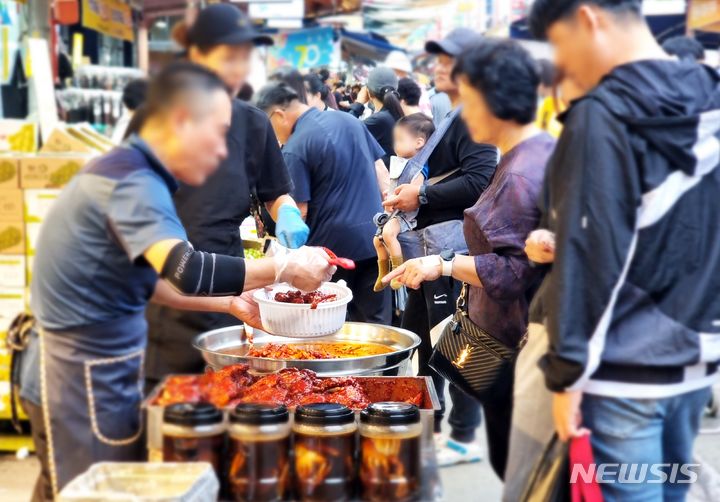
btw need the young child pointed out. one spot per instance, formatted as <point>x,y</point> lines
<point>409,137</point>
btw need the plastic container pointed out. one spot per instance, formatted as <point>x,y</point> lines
<point>300,320</point>
<point>194,433</point>
<point>143,482</point>
<point>325,446</point>
<point>390,453</point>
<point>259,464</point>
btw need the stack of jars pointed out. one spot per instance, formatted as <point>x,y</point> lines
<point>321,455</point>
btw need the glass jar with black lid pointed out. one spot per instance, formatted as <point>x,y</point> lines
<point>325,445</point>
<point>194,432</point>
<point>390,456</point>
<point>259,466</point>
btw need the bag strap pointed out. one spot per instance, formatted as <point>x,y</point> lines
<point>416,163</point>
<point>437,179</point>
<point>461,304</point>
<point>256,212</point>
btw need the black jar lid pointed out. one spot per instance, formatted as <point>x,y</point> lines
<point>259,414</point>
<point>192,414</point>
<point>324,414</point>
<point>390,413</point>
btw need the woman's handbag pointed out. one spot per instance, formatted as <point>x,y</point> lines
<point>471,359</point>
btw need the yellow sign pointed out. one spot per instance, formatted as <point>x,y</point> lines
<point>109,17</point>
<point>704,15</point>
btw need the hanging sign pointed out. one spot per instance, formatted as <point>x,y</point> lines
<point>109,17</point>
<point>303,49</point>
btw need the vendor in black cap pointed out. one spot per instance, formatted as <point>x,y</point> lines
<point>222,39</point>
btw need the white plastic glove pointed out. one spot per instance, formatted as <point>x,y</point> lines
<point>305,268</point>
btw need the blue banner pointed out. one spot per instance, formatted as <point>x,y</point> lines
<point>303,49</point>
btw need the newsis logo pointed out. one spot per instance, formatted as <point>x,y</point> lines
<point>635,473</point>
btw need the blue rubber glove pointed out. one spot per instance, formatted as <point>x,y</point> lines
<point>291,230</point>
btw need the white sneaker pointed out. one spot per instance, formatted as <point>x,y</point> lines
<point>454,452</point>
<point>440,440</point>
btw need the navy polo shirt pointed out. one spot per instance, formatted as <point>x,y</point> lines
<point>331,158</point>
<point>89,265</point>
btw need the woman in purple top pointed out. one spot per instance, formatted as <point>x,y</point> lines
<point>498,84</point>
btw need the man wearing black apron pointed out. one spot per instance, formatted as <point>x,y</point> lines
<point>222,39</point>
<point>111,235</point>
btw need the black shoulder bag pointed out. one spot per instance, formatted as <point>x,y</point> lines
<point>470,358</point>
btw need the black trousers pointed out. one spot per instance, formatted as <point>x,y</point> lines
<point>367,305</point>
<point>43,486</point>
<point>498,422</point>
<point>427,307</point>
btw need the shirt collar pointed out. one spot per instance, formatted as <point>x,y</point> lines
<point>304,116</point>
<point>139,144</point>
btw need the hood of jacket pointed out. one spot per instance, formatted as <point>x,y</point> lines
<point>670,104</point>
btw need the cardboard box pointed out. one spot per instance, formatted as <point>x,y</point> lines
<point>13,270</point>
<point>49,171</point>
<point>61,141</point>
<point>32,234</point>
<point>4,364</point>
<point>12,303</point>
<point>17,135</point>
<point>38,203</point>
<point>12,238</point>
<point>30,263</point>
<point>10,171</point>
<point>11,204</point>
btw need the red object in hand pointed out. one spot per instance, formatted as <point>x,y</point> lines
<point>580,453</point>
<point>345,263</point>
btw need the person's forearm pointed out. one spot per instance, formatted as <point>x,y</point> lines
<point>464,270</point>
<point>461,192</point>
<point>274,205</point>
<point>259,273</point>
<point>168,296</point>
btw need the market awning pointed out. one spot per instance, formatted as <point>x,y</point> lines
<point>370,46</point>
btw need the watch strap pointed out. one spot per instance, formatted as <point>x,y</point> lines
<point>447,267</point>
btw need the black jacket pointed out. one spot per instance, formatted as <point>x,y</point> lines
<point>449,199</point>
<point>632,300</point>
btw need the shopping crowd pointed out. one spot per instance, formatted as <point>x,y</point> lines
<point>563,215</point>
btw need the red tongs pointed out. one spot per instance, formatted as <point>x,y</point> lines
<point>345,263</point>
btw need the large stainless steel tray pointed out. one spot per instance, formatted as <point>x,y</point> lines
<point>212,345</point>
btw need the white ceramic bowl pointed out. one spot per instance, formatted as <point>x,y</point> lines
<point>299,320</point>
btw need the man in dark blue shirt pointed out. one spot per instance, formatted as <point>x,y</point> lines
<point>335,164</point>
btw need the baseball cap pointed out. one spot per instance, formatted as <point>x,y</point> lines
<point>224,24</point>
<point>381,77</point>
<point>454,43</point>
<point>398,60</point>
